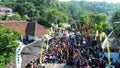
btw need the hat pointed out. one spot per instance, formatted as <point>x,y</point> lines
<point>78,44</point>
<point>84,42</point>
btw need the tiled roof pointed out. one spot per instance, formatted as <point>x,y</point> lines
<point>29,53</point>
<point>33,29</point>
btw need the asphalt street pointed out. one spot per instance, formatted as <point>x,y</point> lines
<point>56,65</point>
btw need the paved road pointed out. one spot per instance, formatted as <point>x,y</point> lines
<point>63,65</point>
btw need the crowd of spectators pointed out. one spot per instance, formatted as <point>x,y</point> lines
<point>69,46</point>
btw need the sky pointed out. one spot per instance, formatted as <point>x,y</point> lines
<point>109,1</point>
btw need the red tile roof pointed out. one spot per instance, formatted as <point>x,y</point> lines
<point>33,29</point>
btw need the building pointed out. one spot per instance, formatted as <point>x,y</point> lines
<point>30,54</point>
<point>5,10</point>
<point>29,31</point>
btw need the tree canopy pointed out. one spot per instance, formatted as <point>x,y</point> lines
<point>8,44</point>
<point>116,23</point>
<point>116,16</point>
<point>116,30</point>
<point>42,10</point>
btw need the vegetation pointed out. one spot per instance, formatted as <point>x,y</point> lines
<point>45,11</point>
<point>116,23</point>
<point>116,16</point>
<point>16,16</point>
<point>94,22</point>
<point>89,15</point>
<point>8,44</point>
<point>117,30</point>
<point>100,7</point>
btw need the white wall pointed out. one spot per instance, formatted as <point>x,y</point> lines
<point>33,37</point>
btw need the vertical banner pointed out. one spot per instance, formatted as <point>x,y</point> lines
<point>108,49</point>
<point>41,50</point>
<point>96,35</point>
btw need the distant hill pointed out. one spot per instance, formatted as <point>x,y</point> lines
<point>98,7</point>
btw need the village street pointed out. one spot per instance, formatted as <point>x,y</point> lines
<point>62,65</point>
<point>59,34</point>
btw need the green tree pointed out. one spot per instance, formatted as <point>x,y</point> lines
<point>8,44</point>
<point>116,23</point>
<point>25,17</point>
<point>98,17</point>
<point>116,16</point>
<point>98,22</point>
<point>43,4</point>
<point>83,19</point>
<point>25,8</point>
<point>116,30</point>
<point>7,1</point>
<point>16,16</point>
<point>0,18</point>
<point>52,15</point>
<point>94,21</point>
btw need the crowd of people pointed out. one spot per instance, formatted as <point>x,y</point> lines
<point>69,46</point>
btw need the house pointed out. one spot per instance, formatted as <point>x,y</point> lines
<point>29,31</point>
<point>30,54</point>
<point>5,10</point>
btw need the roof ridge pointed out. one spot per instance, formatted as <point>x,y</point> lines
<point>21,26</point>
<point>2,22</point>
